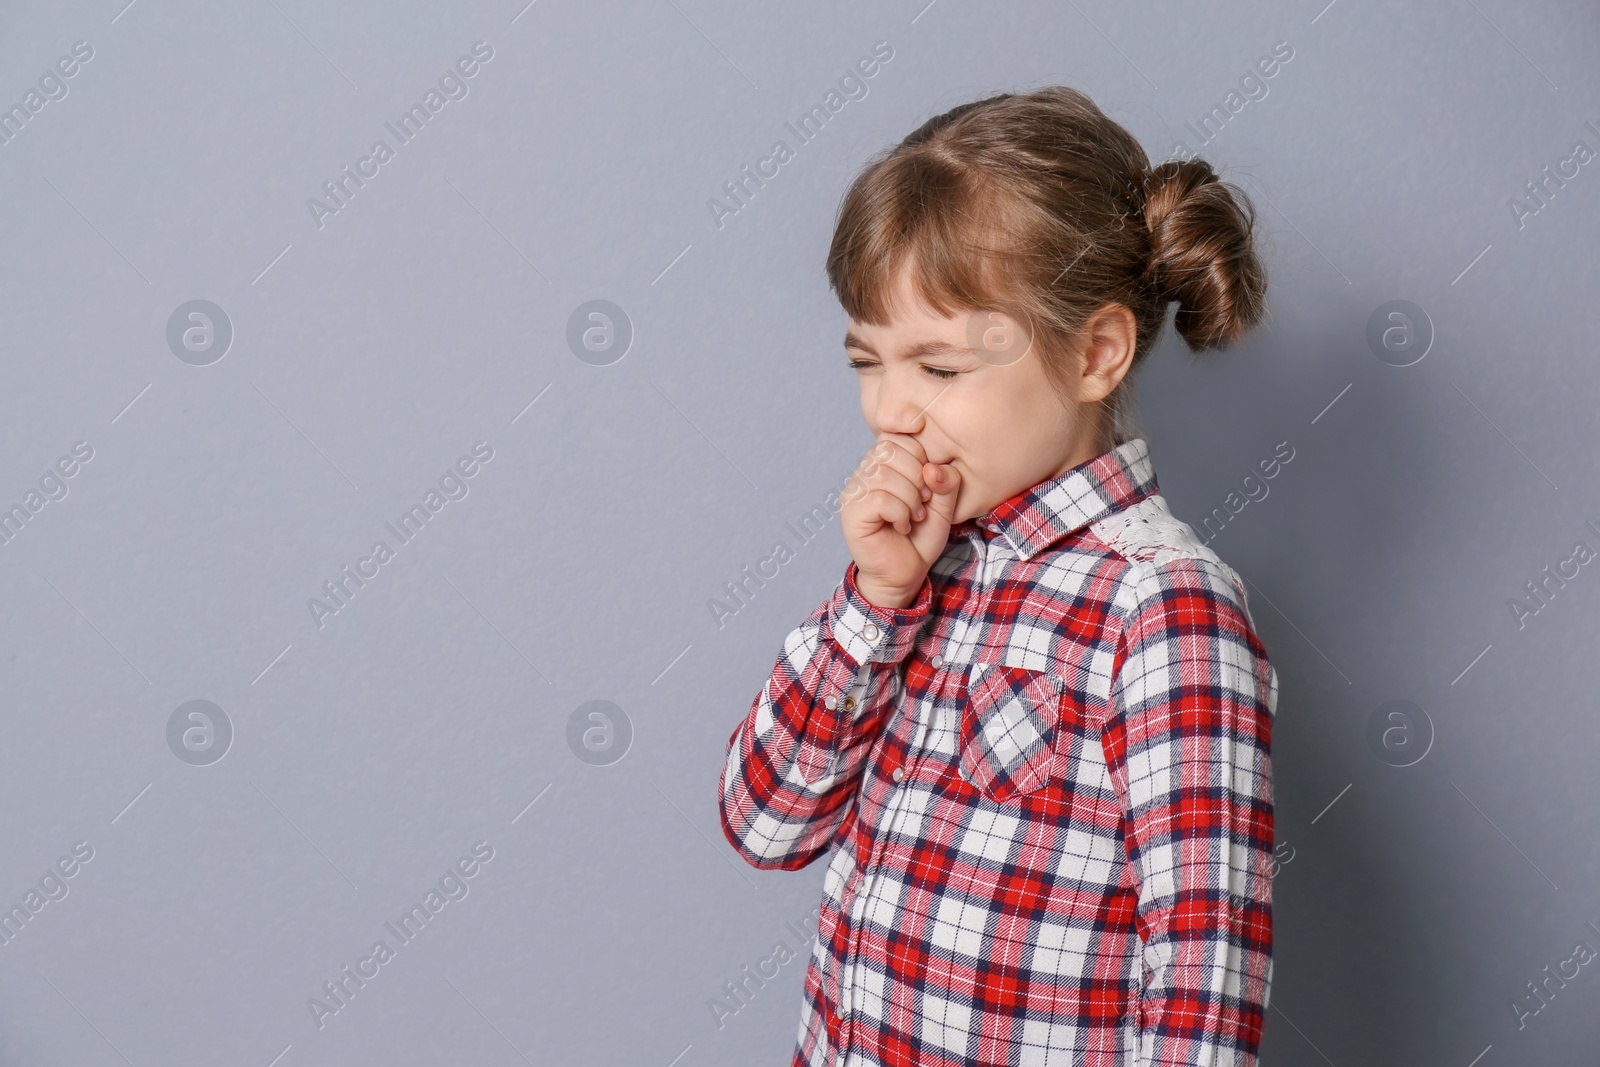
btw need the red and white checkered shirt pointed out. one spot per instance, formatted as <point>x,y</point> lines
<point>1047,789</point>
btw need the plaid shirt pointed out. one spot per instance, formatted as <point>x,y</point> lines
<point>1046,786</point>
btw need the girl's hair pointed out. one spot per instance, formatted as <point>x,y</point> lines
<point>1040,206</point>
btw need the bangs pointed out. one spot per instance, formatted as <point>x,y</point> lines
<point>960,243</point>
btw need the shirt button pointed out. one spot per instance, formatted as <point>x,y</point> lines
<point>937,660</point>
<point>870,631</point>
<point>849,703</point>
<point>832,702</point>
<point>837,1014</point>
<point>899,774</point>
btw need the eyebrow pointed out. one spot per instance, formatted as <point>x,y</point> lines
<point>933,347</point>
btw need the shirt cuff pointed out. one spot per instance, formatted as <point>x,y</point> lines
<point>868,632</point>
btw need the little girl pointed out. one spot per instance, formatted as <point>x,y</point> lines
<point>1033,722</point>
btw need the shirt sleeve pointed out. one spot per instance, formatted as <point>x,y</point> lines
<point>794,762</point>
<point>1189,743</point>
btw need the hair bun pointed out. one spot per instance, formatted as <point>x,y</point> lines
<point>1202,253</point>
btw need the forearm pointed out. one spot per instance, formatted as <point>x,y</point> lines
<point>1207,959</point>
<point>794,762</point>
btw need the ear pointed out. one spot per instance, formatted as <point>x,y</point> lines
<point>1110,338</point>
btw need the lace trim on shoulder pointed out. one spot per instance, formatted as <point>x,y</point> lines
<point>1149,533</point>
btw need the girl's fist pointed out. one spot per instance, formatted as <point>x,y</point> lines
<point>896,514</point>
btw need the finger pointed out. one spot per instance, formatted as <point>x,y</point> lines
<point>912,446</point>
<point>882,454</point>
<point>890,509</point>
<point>901,485</point>
<point>906,441</point>
<point>931,537</point>
<point>945,482</point>
<point>889,465</point>
<point>861,479</point>
<point>905,454</point>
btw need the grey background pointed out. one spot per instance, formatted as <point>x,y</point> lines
<point>1413,904</point>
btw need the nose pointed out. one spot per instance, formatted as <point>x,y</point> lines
<point>900,405</point>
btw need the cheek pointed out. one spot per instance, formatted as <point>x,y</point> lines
<point>984,429</point>
<point>998,443</point>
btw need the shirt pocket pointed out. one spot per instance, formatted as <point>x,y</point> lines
<point>1008,729</point>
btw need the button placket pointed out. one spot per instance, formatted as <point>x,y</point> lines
<point>861,879</point>
<point>962,631</point>
<point>930,709</point>
<point>842,972</point>
<point>868,877</point>
<point>961,648</point>
<point>847,973</point>
<point>871,876</point>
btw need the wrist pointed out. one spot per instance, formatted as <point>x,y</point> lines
<point>886,597</point>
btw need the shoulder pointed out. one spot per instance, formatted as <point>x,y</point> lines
<point>1148,532</point>
<point>1168,567</point>
<point>1183,611</point>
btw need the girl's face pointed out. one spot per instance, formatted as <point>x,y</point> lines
<point>970,391</point>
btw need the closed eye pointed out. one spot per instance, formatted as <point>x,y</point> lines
<point>937,372</point>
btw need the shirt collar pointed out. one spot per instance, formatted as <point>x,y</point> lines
<point>1037,518</point>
